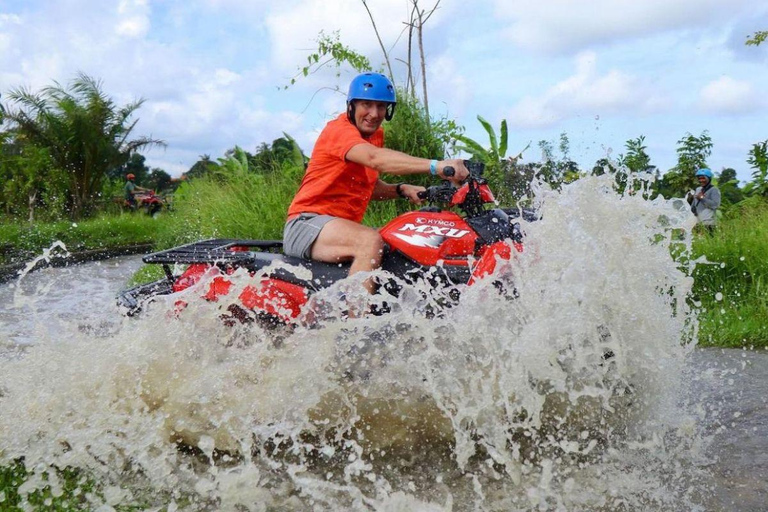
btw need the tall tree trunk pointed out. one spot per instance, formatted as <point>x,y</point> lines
<point>420,28</point>
<point>411,83</point>
<point>31,201</point>
<point>423,67</point>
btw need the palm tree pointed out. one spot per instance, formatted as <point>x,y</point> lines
<point>84,131</point>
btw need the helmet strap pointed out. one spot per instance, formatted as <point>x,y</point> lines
<point>351,111</point>
<point>390,112</point>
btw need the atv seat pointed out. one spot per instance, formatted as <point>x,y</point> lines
<point>323,274</point>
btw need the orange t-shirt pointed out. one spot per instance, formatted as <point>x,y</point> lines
<point>332,185</point>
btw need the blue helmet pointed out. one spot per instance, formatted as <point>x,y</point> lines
<point>371,86</point>
<point>704,172</point>
<point>374,87</point>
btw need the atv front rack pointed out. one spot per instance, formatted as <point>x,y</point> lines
<point>215,251</point>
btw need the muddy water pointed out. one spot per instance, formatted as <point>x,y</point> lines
<point>81,297</point>
<point>498,405</point>
<point>732,386</point>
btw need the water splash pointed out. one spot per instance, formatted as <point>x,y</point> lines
<point>566,397</point>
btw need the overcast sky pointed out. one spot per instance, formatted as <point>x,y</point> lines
<point>212,72</point>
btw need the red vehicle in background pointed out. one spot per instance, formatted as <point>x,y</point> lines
<point>433,244</point>
<point>148,201</point>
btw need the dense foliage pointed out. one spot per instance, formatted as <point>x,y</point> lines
<point>77,132</point>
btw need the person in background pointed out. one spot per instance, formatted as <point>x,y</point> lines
<point>324,219</point>
<point>705,200</point>
<point>130,190</point>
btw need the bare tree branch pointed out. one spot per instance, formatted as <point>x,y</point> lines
<point>422,19</point>
<point>411,83</point>
<point>381,43</point>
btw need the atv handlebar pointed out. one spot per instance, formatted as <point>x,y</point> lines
<point>448,171</point>
<point>438,193</point>
<point>444,192</point>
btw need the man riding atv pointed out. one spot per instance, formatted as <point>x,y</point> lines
<point>324,219</point>
<point>130,191</point>
<point>139,197</point>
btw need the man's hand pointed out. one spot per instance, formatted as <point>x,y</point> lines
<point>458,166</point>
<point>412,192</point>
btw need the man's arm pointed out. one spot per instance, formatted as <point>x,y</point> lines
<point>394,162</point>
<point>384,190</point>
<point>712,199</point>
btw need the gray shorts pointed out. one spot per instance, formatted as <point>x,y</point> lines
<point>301,232</point>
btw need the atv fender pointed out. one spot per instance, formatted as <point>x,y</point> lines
<point>486,265</point>
<point>275,297</point>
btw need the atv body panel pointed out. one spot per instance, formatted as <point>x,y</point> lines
<point>438,245</point>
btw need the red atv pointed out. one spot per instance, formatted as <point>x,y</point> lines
<point>148,201</point>
<point>434,244</point>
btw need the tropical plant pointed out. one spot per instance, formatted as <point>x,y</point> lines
<point>556,171</point>
<point>498,168</point>
<point>492,156</point>
<point>136,165</point>
<point>85,133</point>
<point>330,50</point>
<point>635,161</point>
<point>757,38</point>
<point>758,159</point>
<point>233,163</point>
<point>24,174</point>
<point>604,165</point>
<point>729,186</point>
<point>692,154</point>
<point>411,131</point>
<point>158,179</point>
<point>283,151</point>
<point>202,167</point>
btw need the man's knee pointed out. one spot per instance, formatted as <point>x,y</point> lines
<point>375,240</point>
<point>369,244</point>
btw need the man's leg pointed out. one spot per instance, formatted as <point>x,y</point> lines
<point>345,240</point>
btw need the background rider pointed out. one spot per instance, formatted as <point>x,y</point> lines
<point>130,190</point>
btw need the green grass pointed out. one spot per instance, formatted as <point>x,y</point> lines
<point>241,205</point>
<point>248,205</point>
<point>71,494</point>
<point>75,490</point>
<point>20,241</point>
<point>733,290</point>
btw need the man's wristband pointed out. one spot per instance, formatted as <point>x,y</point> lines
<point>433,167</point>
<point>399,190</point>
